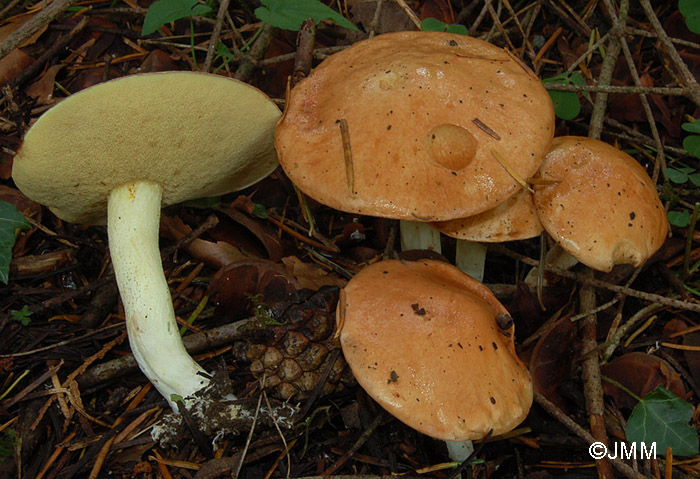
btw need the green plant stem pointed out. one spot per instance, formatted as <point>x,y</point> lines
<point>621,387</point>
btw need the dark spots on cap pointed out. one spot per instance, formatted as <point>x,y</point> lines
<point>495,346</point>
<point>492,399</point>
<point>417,309</point>
<point>632,215</point>
<point>393,377</point>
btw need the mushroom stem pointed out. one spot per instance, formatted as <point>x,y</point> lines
<point>419,235</point>
<point>470,257</point>
<point>132,221</point>
<point>459,451</point>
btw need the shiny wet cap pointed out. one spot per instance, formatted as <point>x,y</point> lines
<point>423,114</point>
<point>603,208</point>
<point>435,348</point>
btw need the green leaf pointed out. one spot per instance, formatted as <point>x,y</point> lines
<point>566,104</point>
<point>695,179</point>
<point>21,315</point>
<point>663,418</point>
<point>677,176</point>
<point>11,221</point>
<point>690,9</point>
<point>288,14</point>
<point>691,144</point>
<point>431,24</point>
<point>166,11</point>
<point>259,210</point>
<point>679,218</point>
<point>577,79</point>
<point>458,29</point>
<point>692,127</point>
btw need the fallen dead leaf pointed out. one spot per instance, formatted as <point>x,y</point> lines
<point>311,276</point>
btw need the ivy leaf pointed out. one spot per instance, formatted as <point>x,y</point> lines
<point>166,11</point>
<point>690,9</point>
<point>679,218</point>
<point>11,221</point>
<point>676,175</point>
<point>663,418</point>
<point>289,14</point>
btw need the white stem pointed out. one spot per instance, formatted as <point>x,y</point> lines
<point>132,221</point>
<point>470,257</point>
<point>556,256</point>
<point>459,451</point>
<point>419,235</point>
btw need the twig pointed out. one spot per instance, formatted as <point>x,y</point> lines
<point>250,62</point>
<point>639,90</point>
<point>9,7</point>
<point>650,297</point>
<point>572,426</point>
<point>692,86</point>
<point>358,444</point>
<point>590,374</point>
<point>618,24</point>
<point>410,13</point>
<point>223,8</point>
<point>51,52</point>
<point>33,25</point>
<point>194,343</point>
<point>305,47</point>
<point>595,126</point>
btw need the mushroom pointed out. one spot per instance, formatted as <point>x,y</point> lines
<point>602,208</point>
<point>415,126</point>
<point>435,348</point>
<point>513,220</point>
<point>118,152</point>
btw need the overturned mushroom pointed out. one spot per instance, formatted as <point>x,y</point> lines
<point>118,152</point>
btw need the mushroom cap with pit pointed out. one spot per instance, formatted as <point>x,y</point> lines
<point>602,208</point>
<point>513,220</point>
<point>423,339</point>
<point>195,134</point>
<point>426,113</point>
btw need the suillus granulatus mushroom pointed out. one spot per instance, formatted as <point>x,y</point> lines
<point>513,220</point>
<point>417,126</point>
<point>119,151</point>
<point>600,205</point>
<point>435,348</point>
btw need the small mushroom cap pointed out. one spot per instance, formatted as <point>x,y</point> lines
<point>422,339</point>
<point>424,111</point>
<point>513,220</point>
<point>195,134</point>
<point>603,208</point>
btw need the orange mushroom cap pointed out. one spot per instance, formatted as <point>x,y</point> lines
<point>513,220</point>
<point>603,208</point>
<point>425,112</point>
<point>423,339</point>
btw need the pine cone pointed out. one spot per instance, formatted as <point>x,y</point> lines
<point>293,353</point>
